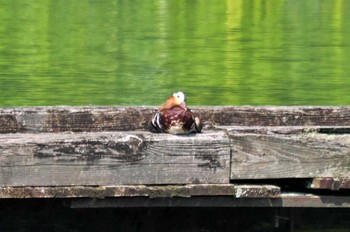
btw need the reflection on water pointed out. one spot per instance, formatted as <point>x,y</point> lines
<point>238,52</point>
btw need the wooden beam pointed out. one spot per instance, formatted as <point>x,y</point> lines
<point>76,119</point>
<point>290,200</point>
<point>113,158</point>
<point>60,146</point>
<point>104,158</point>
<point>89,119</point>
<point>330,183</point>
<point>270,153</point>
<point>166,191</point>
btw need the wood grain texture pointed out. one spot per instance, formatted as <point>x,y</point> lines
<point>165,191</point>
<point>112,158</point>
<point>290,153</point>
<point>89,119</point>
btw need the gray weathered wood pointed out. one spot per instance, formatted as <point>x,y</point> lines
<point>112,158</point>
<point>270,153</point>
<point>132,157</point>
<point>56,148</point>
<point>286,130</point>
<point>166,191</point>
<point>76,119</point>
<point>79,119</point>
<point>285,200</point>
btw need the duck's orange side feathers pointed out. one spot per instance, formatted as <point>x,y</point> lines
<point>171,102</point>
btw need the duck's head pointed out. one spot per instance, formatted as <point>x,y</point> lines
<point>177,99</point>
<point>180,97</point>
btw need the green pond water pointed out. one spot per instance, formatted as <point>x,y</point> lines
<point>116,52</point>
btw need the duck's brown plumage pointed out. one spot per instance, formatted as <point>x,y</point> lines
<point>174,118</point>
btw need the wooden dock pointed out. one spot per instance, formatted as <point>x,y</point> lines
<point>246,156</point>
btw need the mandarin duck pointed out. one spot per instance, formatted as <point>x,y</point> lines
<point>174,118</point>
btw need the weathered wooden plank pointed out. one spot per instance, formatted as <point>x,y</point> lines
<point>167,191</point>
<point>111,158</point>
<point>289,153</point>
<point>299,200</point>
<point>330,183</point>
<point>276,115</point>
<point>79,119</point>
<point>287,130</point>
<point>76,119</point>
